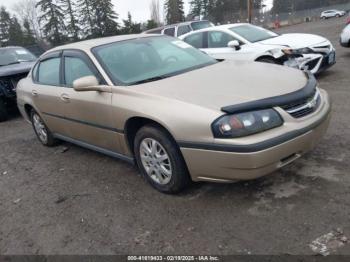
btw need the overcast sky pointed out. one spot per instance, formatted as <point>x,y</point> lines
<point>139,8</point>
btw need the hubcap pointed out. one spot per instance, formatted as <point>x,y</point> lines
<point>40,128</point>
<point>155,161</point>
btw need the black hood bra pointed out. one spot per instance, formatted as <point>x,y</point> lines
<point>275,101</point>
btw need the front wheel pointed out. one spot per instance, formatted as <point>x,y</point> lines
<point>160,160</point>
<point>3,111</point>
<point>42,132</point>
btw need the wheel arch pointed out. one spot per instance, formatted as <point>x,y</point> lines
<point>134,124</point>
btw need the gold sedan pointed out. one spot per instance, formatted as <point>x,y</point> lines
<point>178,114</point>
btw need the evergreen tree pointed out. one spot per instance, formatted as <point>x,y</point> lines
<point>52,19</point>
<point>85,13</point>
<point>130,27</point>
<point>16,35</point>
<point>69,10</point>
<point>174,11</point>
<point>151,24</point>
<point>5,23</point>
<point>104,18</point>
<point>196,8</point>
<point>28,34</point>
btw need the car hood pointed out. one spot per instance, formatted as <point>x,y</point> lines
<point>23,67</point>
<point>227,83</point>
<point>295,40</point>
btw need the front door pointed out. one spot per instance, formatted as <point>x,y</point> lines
<point>89,113</point>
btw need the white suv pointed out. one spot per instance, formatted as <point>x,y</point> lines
<point>332,13</point>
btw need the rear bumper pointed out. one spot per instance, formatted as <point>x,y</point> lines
<point>223,166</point>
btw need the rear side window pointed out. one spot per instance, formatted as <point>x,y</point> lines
<point>184,29</point>
<point>195,40</point>
<point>49,72</point>
<point>75,68</point>
<point>170,31</point>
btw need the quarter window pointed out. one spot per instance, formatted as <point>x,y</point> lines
<point>170,31</point>
<point>75,68</point>
<point>195,40</point>
<point>49,72</point>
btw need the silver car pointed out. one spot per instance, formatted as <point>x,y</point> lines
<point>345,36</point>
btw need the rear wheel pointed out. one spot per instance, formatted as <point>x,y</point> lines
<point>42,132</point>
<point>3,110</point>
<point>160,160</point>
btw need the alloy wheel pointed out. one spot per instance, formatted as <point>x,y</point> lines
<point>156,161</point>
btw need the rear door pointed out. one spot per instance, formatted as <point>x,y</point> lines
<point>89,113</point>
<point>47,92</point>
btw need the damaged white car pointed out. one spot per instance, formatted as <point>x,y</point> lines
<point>246,42</point>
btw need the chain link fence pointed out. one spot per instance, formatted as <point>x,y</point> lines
<point>270,20</point>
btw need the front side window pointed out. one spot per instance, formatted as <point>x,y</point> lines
<point>217,39</point>
<point>195,40</point>
<point>49,72</point>
<point>149,59</point>
<point>253,33</point>
<point>74,69</point>
<point>184,29</point>
<point>170,31</point>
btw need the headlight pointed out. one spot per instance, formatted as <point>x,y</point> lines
<point>300,51</point>
<point>245,124</point>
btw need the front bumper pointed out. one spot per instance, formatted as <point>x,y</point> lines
<point>228,166</point>
<point>316,63</point>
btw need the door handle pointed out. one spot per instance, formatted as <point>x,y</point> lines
<point>35,93</point>
<point>65,98</point>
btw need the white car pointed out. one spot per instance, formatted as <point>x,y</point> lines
<point>332,13</point>
<point>246,42</point>
<point>345,36</point>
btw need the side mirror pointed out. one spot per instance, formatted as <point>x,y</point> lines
<point>87,83</point>
<point>234,44</point>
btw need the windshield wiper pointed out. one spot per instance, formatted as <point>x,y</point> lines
<point>152,79</point>
<point>12,63</point>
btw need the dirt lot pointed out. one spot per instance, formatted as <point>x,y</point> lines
<point>68,200</point>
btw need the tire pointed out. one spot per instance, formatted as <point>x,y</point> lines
<point>337,16</point>
<point>41,130</point>
<point>152,170</point>
<point>3,111</point>
<point>267,60</point>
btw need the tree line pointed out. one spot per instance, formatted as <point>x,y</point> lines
<point>64,21</point>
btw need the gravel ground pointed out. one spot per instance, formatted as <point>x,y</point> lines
<point>69,200</point>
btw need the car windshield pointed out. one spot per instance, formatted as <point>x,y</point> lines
<point>253,33</point>
<point>201,25</point>
<point>149,59</point>
<point>9,56</point>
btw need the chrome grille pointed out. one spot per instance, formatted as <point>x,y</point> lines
<point>304,107</point>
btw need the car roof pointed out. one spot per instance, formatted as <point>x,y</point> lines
<point>91,43</point>
<point>174,25</point>
<point>213,28</point>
